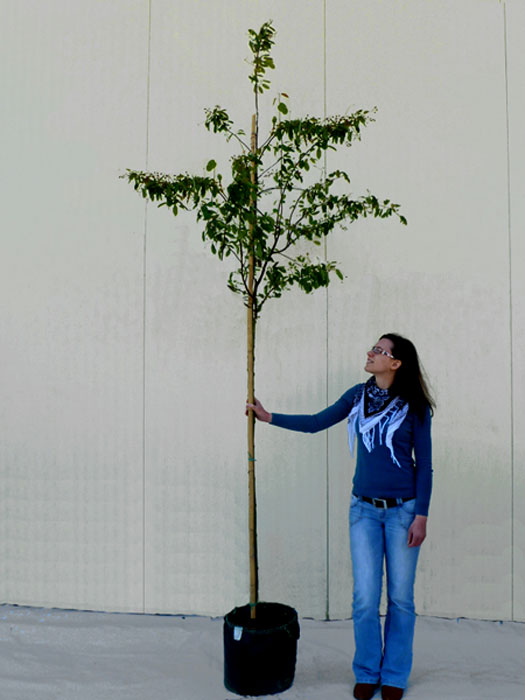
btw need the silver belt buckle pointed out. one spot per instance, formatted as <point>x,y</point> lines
<point>380,500</point>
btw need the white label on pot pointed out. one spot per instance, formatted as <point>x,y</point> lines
<point>237,633</point>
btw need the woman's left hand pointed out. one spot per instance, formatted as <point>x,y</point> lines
<point>417,531</point>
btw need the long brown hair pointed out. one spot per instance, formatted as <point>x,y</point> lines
<point>410,382</point>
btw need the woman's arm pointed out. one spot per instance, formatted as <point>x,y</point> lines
<point>423,462</point>
<point>423,458</point>
<point>306,423</point>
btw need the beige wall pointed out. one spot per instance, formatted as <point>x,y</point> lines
<point>122,454</point>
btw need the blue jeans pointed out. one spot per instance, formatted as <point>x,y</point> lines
<point>377,534</point>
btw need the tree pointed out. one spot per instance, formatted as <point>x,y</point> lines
<point>265,208</point>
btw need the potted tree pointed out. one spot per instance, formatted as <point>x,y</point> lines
<point>257,216</point>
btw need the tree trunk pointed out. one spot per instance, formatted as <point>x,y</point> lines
<point>254,580</point>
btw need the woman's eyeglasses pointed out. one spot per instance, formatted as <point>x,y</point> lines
<point>379,351</point>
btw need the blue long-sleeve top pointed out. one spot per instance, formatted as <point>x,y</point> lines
<point>376,474</point>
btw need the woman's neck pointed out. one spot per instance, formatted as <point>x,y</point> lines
<point>385,381</point>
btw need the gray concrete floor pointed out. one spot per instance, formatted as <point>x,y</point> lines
<point>70,655</point>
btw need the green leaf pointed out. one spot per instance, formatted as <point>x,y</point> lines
<point>211,165</point>
<point>283,109</point>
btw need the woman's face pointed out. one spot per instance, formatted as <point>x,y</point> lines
<point>377,362</point>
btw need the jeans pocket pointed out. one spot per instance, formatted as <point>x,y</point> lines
<point>406,512</point>
<point>356,510</point>
<point>409,506</point>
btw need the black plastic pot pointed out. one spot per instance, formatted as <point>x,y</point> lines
<point>260,654</point>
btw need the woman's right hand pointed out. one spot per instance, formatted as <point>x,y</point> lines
<point>260,412</point>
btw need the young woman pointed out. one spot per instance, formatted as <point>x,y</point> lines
<point>390,416</point>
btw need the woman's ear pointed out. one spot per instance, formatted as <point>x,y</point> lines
<point>396,364</point>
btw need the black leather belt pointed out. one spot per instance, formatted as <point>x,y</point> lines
<point>385,502</point>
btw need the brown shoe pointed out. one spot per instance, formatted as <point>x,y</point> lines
<point>364,691</point>
<point>390,692</point>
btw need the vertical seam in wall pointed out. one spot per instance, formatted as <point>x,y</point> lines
<point>144,292</point>
<point>327,463</point>
<point>510,314</point>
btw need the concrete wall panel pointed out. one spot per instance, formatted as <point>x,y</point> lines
<point>515,12</point>
<point>196,494</point>
<point>73,113</point>
<point>439,86</point>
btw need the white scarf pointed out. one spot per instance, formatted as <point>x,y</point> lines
<point>386,421</point>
